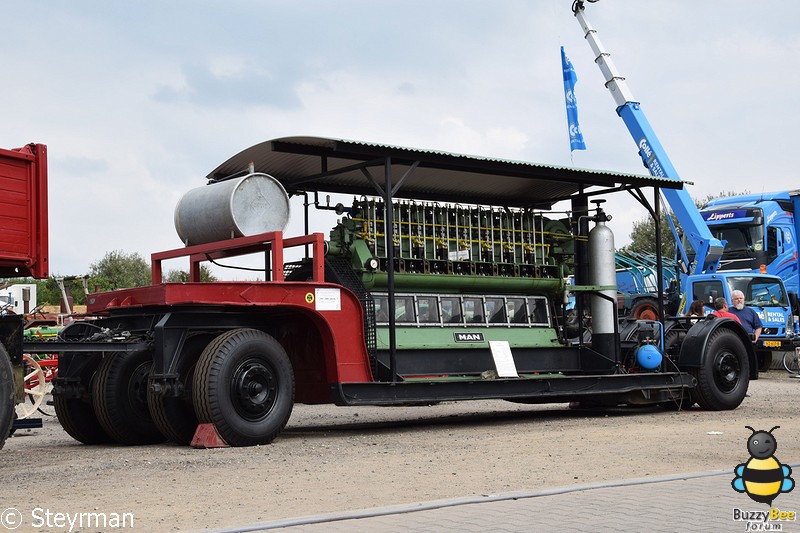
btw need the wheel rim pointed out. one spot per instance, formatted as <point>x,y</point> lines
<point>727,371</point>
<point>647,312</point>
<point>35,388</point>
<point>137,388</point>
<point>253,389</point>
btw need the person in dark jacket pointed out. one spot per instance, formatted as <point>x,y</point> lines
<point>748,318</point>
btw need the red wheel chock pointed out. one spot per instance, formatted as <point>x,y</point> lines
<point>207,436</point>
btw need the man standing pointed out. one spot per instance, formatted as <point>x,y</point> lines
<point>749,318</point>
<point>721,310</point>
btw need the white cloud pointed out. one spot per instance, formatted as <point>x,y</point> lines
<point>138,101</point>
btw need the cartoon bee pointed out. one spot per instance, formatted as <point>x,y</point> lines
<point>762,477</point>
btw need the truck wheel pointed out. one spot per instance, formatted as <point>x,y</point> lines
<point>244,385</point>
<point>7,410</point>
<point>724,374</point>
<point>76,415</point>
<point>175,416</point>
<point>645,309</point>
<point>764,359</point>
<point>119,396</point>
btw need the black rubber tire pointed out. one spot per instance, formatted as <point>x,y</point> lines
<point>119,397</point>
<point>724,374</point>
<point>77,416</point>
<point>7,403</point>
<point>244,385</point>
<point>764,360</point>
<point>645,309</point>
<point>175,416</point>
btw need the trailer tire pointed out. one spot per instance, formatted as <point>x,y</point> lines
<point>645,309</point>
<point>7,403</point>
<point>119,397</point>
<point>724,373</point>
<point>244,385</point>
<point>77,416</point>
<point>175,416</point>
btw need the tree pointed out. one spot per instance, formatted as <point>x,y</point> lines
<point>643,237</point>
<point>118,270</point>
<point>47,290</point>
<point>49,293</point>
<point>182,276</point>
<point>643,234</point>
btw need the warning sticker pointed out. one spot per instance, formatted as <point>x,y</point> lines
<point>309,297</point>
<point>328,299</point>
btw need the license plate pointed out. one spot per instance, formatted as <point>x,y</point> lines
<point>772,344</point>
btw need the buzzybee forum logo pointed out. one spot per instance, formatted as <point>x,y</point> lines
<point>762,477</point>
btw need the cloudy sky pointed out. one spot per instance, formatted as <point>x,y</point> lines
<point>139,100</point>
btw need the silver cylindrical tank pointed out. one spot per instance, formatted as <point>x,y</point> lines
<point>238,207</point>
<point>602,271</point>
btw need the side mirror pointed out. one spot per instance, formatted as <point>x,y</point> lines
<point>794,302</point>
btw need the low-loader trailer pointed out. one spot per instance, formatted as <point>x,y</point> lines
<point>443,280</point>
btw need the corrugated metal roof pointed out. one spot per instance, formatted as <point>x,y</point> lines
<point>338,166</point>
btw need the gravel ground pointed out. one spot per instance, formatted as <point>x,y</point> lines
<point>343,458</point>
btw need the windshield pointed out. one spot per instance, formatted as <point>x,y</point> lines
<point>759,291</point>
<point>743,241</point>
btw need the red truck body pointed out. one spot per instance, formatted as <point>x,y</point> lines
<point>23,212</point>
<point>23,252</point>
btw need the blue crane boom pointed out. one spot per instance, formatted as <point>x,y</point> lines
<point>707,248</point>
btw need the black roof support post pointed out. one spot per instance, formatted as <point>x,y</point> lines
<point>659,262</point>
<point>389,231</point>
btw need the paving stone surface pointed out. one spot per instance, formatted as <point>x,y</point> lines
<point>696,502</point>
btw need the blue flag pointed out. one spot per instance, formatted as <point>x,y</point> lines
<point>570,78</point>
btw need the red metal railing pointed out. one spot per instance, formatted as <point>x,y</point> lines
<point>272,242</point>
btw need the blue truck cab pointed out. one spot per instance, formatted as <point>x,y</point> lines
<point>761,230</point>
<point>766,295</point>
